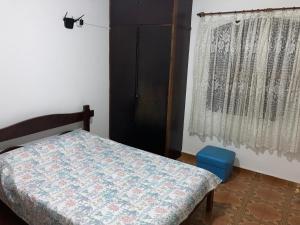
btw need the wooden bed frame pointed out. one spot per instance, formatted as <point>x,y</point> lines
<point>47,122</point>
<point>43,123</point>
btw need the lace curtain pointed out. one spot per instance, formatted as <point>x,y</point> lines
<point>246,81</point>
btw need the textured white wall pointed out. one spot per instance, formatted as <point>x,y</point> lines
<point>45,68</point>
<point>265,163</point>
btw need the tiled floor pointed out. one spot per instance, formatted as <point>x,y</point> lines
<point>249,198</point>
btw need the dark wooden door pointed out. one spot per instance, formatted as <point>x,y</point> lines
<point>122,83</point>
<point>155,11</point>
<point>123,12</point>
<point>154,50</point>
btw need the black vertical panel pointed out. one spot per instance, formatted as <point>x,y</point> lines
<point>179,77</point>
<point>155,11</point>
<point>122,82</point>
<point>154,49</point>
<point>184,11</point>
<point>178,91</point>
<point>123,12</point>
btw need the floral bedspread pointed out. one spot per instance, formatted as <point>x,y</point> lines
<point>80,178</point>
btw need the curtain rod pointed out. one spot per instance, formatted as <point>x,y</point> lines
<point>202,14</point>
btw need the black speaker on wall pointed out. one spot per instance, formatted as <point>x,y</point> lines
<point>69,22</point>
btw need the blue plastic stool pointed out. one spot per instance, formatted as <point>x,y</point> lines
<point>216,160</point>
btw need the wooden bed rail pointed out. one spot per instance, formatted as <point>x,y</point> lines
<point>210,201</point>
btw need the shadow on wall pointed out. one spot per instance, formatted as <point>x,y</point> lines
<point>289,156</point>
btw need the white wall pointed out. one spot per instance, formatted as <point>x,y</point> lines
<point>45,68</point>
<point>246,158</point>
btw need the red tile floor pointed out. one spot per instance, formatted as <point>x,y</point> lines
<point>248,198</point>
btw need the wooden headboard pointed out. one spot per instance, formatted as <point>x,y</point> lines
<point>47,122</point>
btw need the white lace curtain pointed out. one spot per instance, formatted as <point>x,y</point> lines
<point>247,79</point>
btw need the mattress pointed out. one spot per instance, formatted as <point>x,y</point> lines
<point>81,178</point>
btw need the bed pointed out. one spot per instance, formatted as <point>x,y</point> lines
<point>81,178</point>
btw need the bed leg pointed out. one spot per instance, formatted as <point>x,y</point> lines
<point>210,201</point>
